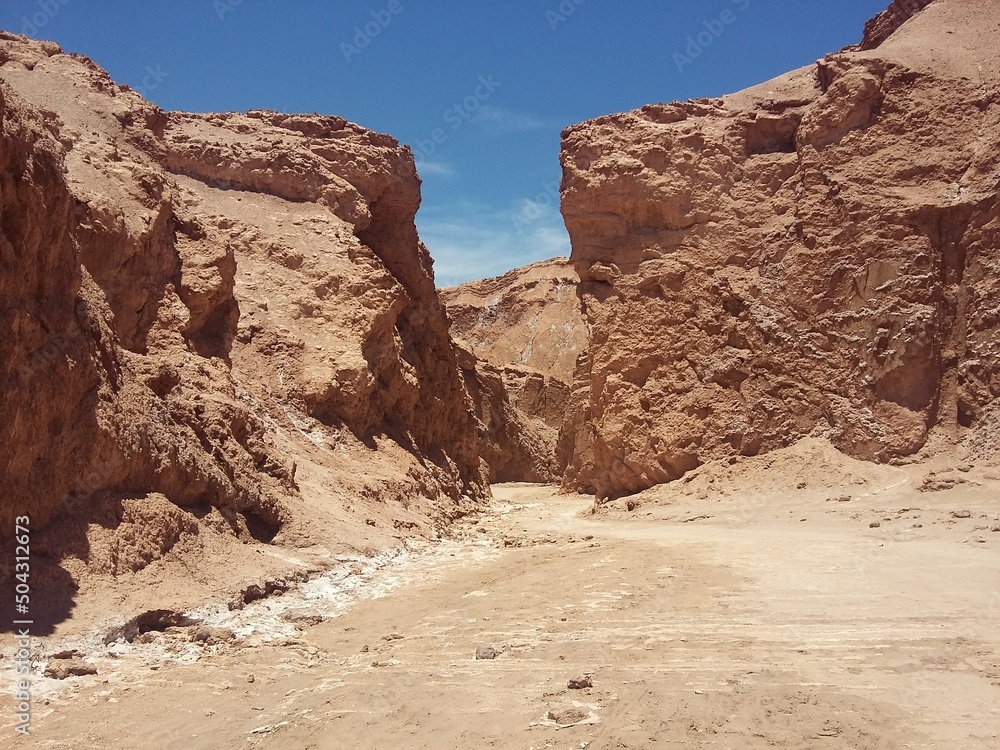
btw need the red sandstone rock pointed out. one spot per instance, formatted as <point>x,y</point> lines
<point>817,254</point>
<point>213,325</point>
<point>885,23</point>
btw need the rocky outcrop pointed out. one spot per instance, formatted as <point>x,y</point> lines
<point>228,314</point>
<point>525,332</point>
<point>885,24</point>
<point>818,254</point>
<point>367,276</point>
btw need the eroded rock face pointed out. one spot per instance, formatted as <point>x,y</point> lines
<point>885,23</point>
<point>529,317</point>
<point>818,253</point>
<point>517,445</point>
<point>524,332</point>
<point>228,314</point>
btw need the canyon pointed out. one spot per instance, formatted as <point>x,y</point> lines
<point>737,456</point>
<point>526,332</point>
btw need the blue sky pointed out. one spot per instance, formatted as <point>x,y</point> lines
<point>480,89</point>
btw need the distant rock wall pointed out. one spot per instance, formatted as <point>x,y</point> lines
<point>525,332</point>
<point>529,317</point>
<point>818,253</point>
<point>516,443</point>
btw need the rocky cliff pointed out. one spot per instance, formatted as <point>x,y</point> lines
<point>524,332</point>
<point>214,324</point>
<point>818,254</point>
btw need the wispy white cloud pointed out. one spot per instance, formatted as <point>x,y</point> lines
<point>470,241</point>
<point>436,168</point>
<point>506,120</point>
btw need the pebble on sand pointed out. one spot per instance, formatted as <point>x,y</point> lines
<point>485,651</point>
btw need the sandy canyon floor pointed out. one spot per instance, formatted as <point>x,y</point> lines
<point>795,623</point>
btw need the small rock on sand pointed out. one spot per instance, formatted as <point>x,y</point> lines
<point>566,715</point>
<point>484,651</point>
<point>580,682</point>
<point>63,668</point>
<point>304,616</point>
<point>933,483</point>
<point>211,636</point>
<point>71,654</point>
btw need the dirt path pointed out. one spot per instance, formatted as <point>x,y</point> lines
<point>712,633</point>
